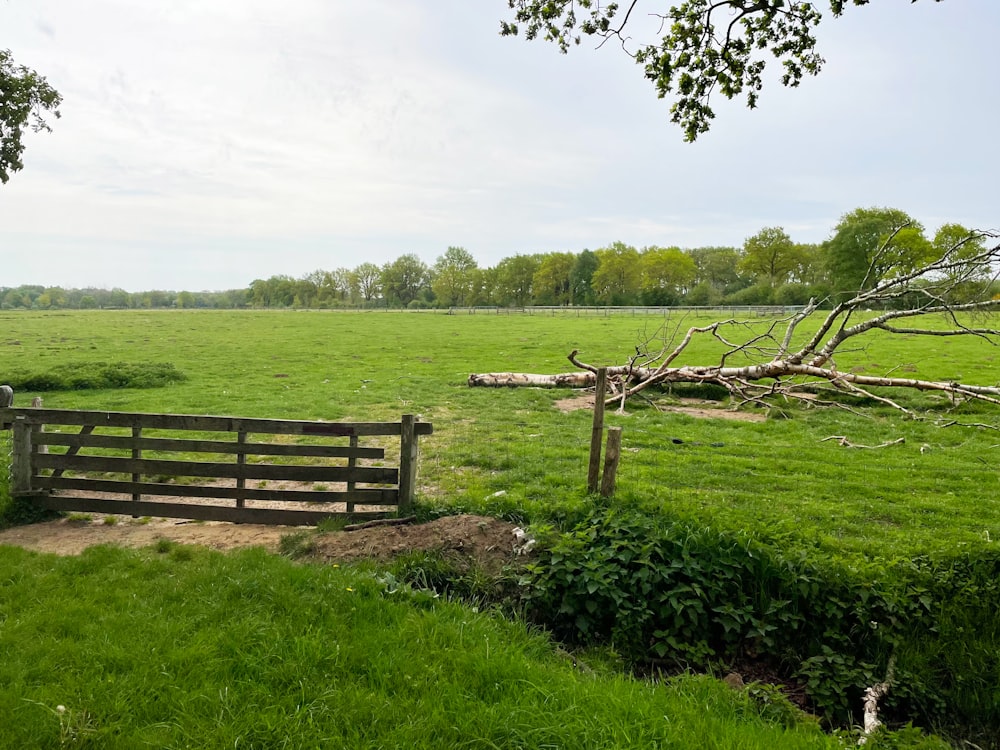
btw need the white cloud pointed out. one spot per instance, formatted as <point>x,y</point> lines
<point>205,143</point>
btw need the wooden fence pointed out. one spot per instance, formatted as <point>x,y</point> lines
<point>71,460</point>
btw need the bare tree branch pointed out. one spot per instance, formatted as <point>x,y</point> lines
<point>776,370</point>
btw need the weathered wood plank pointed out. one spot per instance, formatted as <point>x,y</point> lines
<point>196,512</point>
<point>87,429</point>
<point>364,496</point>
<point>407,462</point>
<point>205,423</point>
<point>21,469</point>
<point>179,445</point>
<point>611,457</point>
<point>123,465</point>
<point>597,432</point>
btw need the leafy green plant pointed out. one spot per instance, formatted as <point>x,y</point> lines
<point>677,594</point>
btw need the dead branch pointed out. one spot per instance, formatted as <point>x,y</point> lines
<point>842,440</point>
<point>776,369</point>
<point>380,522</point>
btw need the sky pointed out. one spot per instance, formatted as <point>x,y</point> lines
<point>207,143</point>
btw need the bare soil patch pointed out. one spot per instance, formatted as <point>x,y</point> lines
<point>488,542</point>
<point>693,407</point>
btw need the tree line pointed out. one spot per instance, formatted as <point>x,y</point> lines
<point>770,268</point>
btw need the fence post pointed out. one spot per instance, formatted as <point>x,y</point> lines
<point>611,461</point>
<point>20,470</point>
<point>407,462</point>
<point>597,432</point>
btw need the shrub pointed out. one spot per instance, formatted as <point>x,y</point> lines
<point>674,594</point>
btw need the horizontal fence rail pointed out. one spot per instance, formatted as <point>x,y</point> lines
<point>133,456</point>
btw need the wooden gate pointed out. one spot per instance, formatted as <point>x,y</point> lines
<point>73,460</point>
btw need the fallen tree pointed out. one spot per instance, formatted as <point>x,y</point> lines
<point>955,286</point>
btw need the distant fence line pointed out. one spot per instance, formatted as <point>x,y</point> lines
<point>580,311</point>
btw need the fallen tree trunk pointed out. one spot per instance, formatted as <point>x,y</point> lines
<point>781,370</point>
<point>523,379</point>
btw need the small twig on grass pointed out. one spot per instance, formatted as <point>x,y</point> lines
<point>842,439</point>
<point>956,423</point>
<point>380,522</point>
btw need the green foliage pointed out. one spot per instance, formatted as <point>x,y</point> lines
<point>80,376</point>
<point>24,98</point>
<point>688,595</point>
<point>618,276</point>
<point>871,244</point>
<point>404,280</point>
<point>771,256</point>
<point>709,46</point>
<point>456,278</point>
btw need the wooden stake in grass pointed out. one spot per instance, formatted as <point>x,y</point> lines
<point>611,456</point>
<point>597,432</point>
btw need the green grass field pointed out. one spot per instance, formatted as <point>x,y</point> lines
<point>938,491</point>
<point>184,648</point>
<point>777,482</point>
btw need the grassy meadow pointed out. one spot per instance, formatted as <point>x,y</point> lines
<point>511,451</point>
<point>833,560</point>
<point>176,647</point>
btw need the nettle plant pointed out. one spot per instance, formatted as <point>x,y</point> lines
<point>671,594</point>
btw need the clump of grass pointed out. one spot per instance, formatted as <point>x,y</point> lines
<point>110,520</point>
<point>164,545</point>
<point>297,545</point>
<point>333,523</point>
<point>81,376</point>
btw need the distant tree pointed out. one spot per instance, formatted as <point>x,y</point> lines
<point>618,276</point>
<point>770,255</point>
<point>404,279</point>
<point>514,278</point>
<point>581,278</point>
<point>718,268</point>
<point>119,298</point>
<point>552,281</point>
<point>366,282</point>
<point>709,46</point>
<point>335,287</point>
<point>871,244</point>
<point>969,279</point>
<point>666,273</point>
<point>25,97</point>
<point>455,277</point>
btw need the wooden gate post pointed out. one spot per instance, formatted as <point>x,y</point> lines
<point>407,462</point>
<point>611,461</point>
<point>20,471</point>
<point>597,432</point>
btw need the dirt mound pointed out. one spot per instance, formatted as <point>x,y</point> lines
<point>487,541</point>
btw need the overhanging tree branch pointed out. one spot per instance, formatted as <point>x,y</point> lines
<point>691,59</point>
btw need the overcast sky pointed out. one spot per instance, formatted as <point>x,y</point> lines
<point>206,143</point>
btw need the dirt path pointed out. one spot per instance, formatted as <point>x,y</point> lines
<point>488,541</point>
